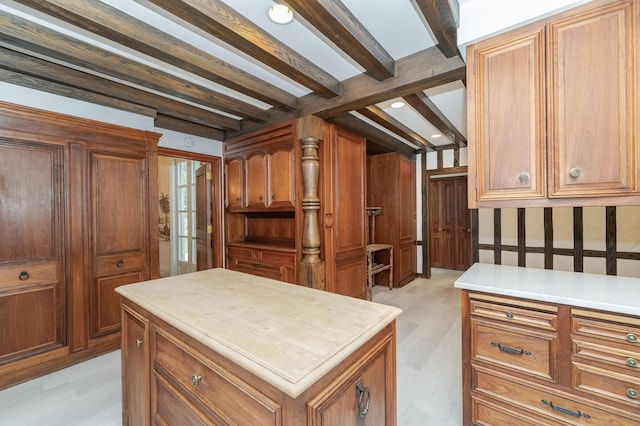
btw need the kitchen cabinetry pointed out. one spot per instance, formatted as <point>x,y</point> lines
<point>536,362</point>
<point>277,264</point>
<point>205,373</point>
<point>74,203</point>
<point>552,110</point>
<point>391,185</point>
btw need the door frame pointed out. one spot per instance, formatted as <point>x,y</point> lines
<point>426,216</point>
<point>216,196</point>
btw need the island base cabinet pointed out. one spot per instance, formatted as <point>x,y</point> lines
<point>176,380</point>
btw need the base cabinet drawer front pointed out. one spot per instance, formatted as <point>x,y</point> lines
<point>25,275</point>
<point>607,384</point>
<point>516,315</point>
<point>625,334</point>
<point>118,263</point>
<point>277,265</point>
<point>546,402</point>
<point>171,408</point>
<point>486,413</point>
<point>610,356</point>
<point>265,270</point>
<point>525,351</point>
<point>231,399</point>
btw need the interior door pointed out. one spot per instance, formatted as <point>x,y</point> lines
<point>462,258</point>
<point>204,228</point>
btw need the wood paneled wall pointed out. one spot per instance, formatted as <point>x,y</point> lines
<point>602,240</point>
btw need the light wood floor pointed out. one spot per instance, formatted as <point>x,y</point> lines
<point>428,369</point>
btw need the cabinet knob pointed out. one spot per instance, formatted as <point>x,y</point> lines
<point>364,399</point>
<point>260,198</point>
<point>509,315</point>
<point>632,338</point>
<point>632,362</point>
<point>574,172</point>
<point>119,263</point>
<point>196,379</point>
<point>632,393</point>
<point>273,196</point>
<point>523,177</point>
<point>24,275</point>
<point>139,343</point>
<point>237,198</point>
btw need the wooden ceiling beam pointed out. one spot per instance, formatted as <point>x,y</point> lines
<point>442,20</point>
<point>175,124</point>
<point>334,20</point>
<point>106,21</point>
<point>31,82</point>
<point>377,115</point>
<point>372,134</point>
<point>23,34</point>
<point>224,23</point>
<point>48,71</point>
<point>426,108</point>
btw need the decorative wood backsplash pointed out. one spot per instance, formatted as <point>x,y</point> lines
<point>601,240</point>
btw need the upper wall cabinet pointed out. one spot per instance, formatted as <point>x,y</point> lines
<point>552,110</point>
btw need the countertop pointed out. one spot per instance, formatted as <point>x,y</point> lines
<point>603,292</point>
<point>289,336</point>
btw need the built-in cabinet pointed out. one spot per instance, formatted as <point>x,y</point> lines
<point>74,209</point>
<point>391,185</point>
<point>552,109</point>
<point>531,362</point>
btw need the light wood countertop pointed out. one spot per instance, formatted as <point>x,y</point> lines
<point>288,335</point>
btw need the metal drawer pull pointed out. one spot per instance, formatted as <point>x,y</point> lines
<point>632,362</point>
<point>632,338</point>
<point>632,393</point>
<point>364,399</point>
<point>509,315</point>
<point>195,379</point>
<point>510,350</point>
<point>24,275</point>
<point>138,343</point>
<point>565,410</point>
<point>120,263</point>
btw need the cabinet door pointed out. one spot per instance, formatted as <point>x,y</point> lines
<point>135,370</point>
<point>281,178</point>
<point>119,236</point>
<point>235,182</point>
<point>441,223</point>
<point>506,116</point>
<point>256,180</point>
<point>593,84</point>
<point>32,291</point>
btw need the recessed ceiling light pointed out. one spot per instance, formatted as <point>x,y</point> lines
<point>280,13</point>
<point>397,104</point>
<point>437,135</point>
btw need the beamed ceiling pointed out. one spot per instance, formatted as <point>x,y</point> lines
<point>221,68</point>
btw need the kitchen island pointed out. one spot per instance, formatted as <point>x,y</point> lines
<point>223,347</point>
<point>549,347</point>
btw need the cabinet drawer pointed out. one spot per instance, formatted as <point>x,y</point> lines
<point>486,413</point>
<point>117,263</point>
<point>171,408</point>
<point>546,402</point>
<point>628,361</point>
<point>493,308</point>
<point>266,270</point>
<point>279,257</point>
<point>16,276</point>
<point>606,383</point>
<point>522,350</point>
<point>626,333</point>
<point>231,399</point>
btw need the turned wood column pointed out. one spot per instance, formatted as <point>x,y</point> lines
<point>312,267</point>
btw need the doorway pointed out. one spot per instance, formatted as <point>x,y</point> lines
<point>189,214</point>
<point>449,223</point>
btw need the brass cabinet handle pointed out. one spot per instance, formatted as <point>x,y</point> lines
<point>632,393</point>
<point>523,177</point>
<point>196,379</point>
<point>565,410</point>
<point>632,338</point>
<point>24,275</point>
<point>119,263</point>
<point>364,399</point>
<point>509,349</point>
<point>575,172</point>
<point>139,343</point>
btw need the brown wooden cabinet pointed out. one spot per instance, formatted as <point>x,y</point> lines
<point>269,261</point>
<point>552,109</point>
<point>75,208</point>
<point>531,362</point>
<point>391,185</point>
<point>234,173</point>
